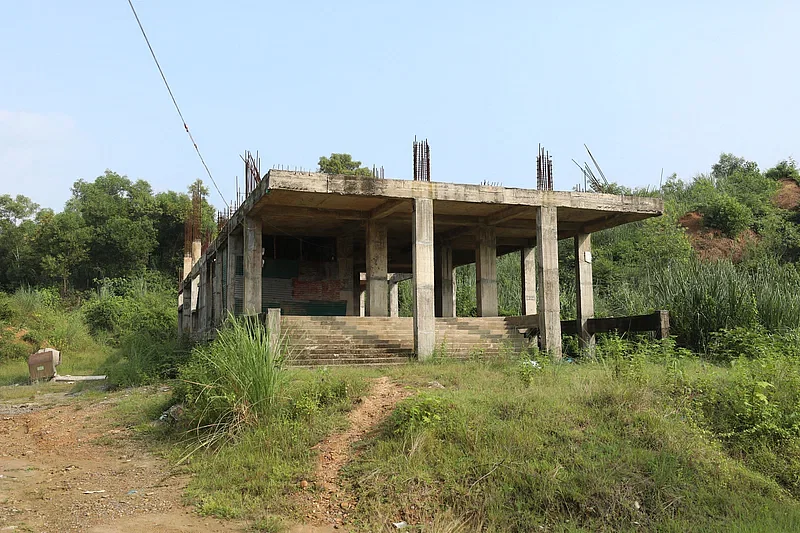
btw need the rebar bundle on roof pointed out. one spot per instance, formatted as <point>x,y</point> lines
<point>422,160</point>
<point>544,170</point>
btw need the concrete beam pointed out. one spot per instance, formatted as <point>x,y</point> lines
<point>584,289</point>
<point>547,274</point>
<point>424,321</point>
<point>486,271</point>
<point>506,214</point>
<point>253,254</point>
<point>443,281</point>
<point>377,262</point>
<point>392,188</point>
<point>312,212</point>
<point>528,269</point>
<point>387,208</point>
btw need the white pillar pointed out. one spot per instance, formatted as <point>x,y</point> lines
<point>486,271</point>
<point>584,289</point>
<point>394,297</point>
<point>547,274</point>
<point>422,257</point>
<point>528,259</point>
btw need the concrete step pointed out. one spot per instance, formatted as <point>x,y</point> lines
<point>329,361</point>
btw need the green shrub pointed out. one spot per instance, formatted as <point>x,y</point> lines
<point>103,313</point>
<point>728,215</point>
<point>11,350</point>
<point>754,409</point>
<point>323,392</point>
<point>6,308</point>
<point>420,412</point>
<point>235,381</point>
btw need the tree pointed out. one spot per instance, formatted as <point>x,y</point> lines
<point>729,163</point>
<point>786,169</point>
<point>17,209</point>
<point>342,164</point>
<point>17,263</point>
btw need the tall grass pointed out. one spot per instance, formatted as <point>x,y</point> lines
<point>706,297</point>
<point>235,381</point>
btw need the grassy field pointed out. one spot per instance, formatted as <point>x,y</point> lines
<point>645,437</point>
<point>499,446</point>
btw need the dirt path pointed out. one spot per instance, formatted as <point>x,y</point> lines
<point>65,467</point>
<point>328,505</point>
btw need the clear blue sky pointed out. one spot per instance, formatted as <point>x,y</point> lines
<point>646,86</point>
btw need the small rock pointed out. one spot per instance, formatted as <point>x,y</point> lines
<point>304,484</point>
<point>435,385</point>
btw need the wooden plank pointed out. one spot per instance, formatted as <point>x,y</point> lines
<point>626,324</point>
<point>657,322</point>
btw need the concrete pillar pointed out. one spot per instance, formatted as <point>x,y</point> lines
<point>187,264</point>
<point>455,293</point>
<point>235,248</point>
<point>344,256</point>
<point>216,313</point>
<point>362,301</point>
<point>274,328</point>
<point>422,257</point>
<point>528,269</point>
<point>584,289</point>
<point>444,282</point>
<point>186,312</point>
<point>202,298</point>
<point>486,271</point>
<point>253,253</point>
<point>547,277</point>
<point>394,297</point>
<point>197,251</point>
<point>358,304</point>
<point>377,259</point>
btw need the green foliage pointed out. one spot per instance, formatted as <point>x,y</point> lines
<point>342,164</point>
<point>623,253</point>
<point>753,408</point>
<point>234,382</point>
<point>706,297</point>
<point>111,227</point>
<point>322,393</point>
<point>784,170</point>
<point>579,450</point>
<point>728,215</point>
<point>142,306</point>
<point>419,412</point>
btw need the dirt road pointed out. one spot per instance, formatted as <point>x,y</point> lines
<point>65,467</point>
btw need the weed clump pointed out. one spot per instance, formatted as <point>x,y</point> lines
<point>235,381</point>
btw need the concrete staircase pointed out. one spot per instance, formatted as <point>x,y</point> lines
<point>378,340</point>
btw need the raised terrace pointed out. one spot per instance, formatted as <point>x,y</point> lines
<point>303,243</point>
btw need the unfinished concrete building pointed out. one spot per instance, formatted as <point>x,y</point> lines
<point>315,246</point>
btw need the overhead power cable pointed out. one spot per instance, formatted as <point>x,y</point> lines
<point>175,102</point>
